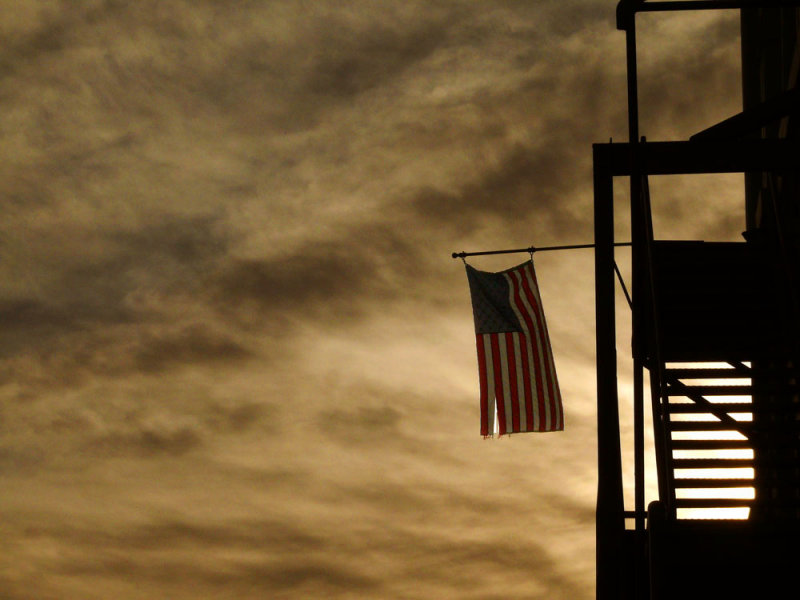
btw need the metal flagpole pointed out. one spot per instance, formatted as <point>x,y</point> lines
<point>531,249</point>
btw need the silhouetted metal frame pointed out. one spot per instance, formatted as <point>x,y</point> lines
<point>639,239</point>
<point>621,160</point>
<point>630,160</point>
<point>610,523</point>
<point>695,157</point>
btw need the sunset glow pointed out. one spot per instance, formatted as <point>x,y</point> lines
<point>237,358</point>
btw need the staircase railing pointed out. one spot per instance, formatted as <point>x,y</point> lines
<point>650,352</point>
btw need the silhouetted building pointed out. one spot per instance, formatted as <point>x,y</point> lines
<point>716,333</point>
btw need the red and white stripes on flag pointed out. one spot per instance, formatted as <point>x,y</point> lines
<point>515,361</point>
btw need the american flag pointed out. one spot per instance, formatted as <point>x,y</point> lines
<point>515,361</point>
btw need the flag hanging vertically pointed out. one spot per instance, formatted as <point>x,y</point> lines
<point>515,361</point>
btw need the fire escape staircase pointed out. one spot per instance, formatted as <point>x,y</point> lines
<point>717,328</point>
<point>726,404</point>
<point>721,350</point>
<point>714,446</point>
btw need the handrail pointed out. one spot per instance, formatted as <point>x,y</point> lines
<point>663,446</point>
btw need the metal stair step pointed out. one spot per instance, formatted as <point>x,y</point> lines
<point>712,502</point>
<point>683,389</point>
<point>712,483</point>
<point>708,426</point>
<point>782,414</point>
<point>706,373</point>
<point>785,468</point>
<point>711,444</point>
<point>693,408</point>
<point>709,390</point>
<point>711,463</point>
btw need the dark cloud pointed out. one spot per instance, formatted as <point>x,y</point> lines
<point>192,345</point>
<point>45,32</point>
<point>312,577</point>
<point>112,351</point>
<point>152,441</point>
<point>527,180</point>
<point>245,534</point>
<point>322,273</point>
<point>168,256</point>
<point>363,424</point>
<point>105,424</point>
<point>565,18</point>
<point>309,577</point>
<point>279,562</point>
<point>351,62</point>
<point>237,418</point>
<point>91,269</point>
<point>439,566</point>
<point>23,321</point>
<point>280,73</point>
<point>334,279</point>
<point>125,307</point>
<point>272,557</point>
<point>682,94</point>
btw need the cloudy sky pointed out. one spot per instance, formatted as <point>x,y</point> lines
<point>236,358</point>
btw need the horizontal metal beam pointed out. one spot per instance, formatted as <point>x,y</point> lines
<point>712,5</point>
<point>686,158</point>
<point>627,9</point>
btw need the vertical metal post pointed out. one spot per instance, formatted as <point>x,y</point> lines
<point>610,516</point>
<point>637,256</point>
<point>633,96</point>
<point>640,570</point>
<point>638,241</point>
